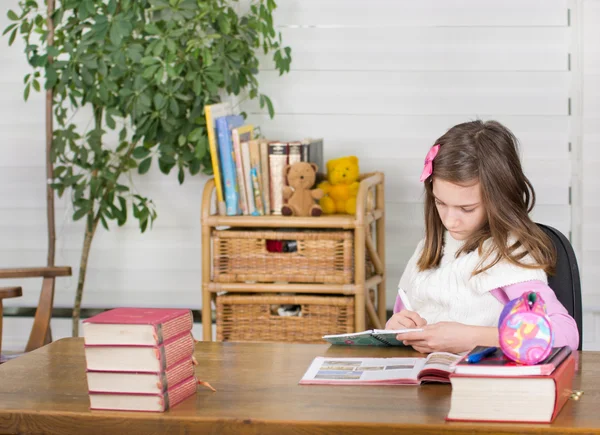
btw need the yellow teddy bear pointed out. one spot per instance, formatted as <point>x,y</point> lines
<point>342,186</point>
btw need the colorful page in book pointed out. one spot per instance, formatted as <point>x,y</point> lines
<point>498,364</point>
<point>371,337</point>
<point>380,371</point>
<point>211,113</point>
<point>144,402</point>
<point>248,177</point>
<point>136,326</point>
<point>140,382</point>
<point>277,160</point>
<point>255,172</point>
<point>224,126</point>
<point>264,174</point>
<point>136,358</point>
<point>239,171</point>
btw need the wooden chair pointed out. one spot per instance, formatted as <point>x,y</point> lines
<point>40,332</point>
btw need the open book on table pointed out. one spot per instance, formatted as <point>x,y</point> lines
<point>437,367</point>
<point>371,337</point>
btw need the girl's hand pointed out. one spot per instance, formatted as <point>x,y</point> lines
<point>450,337</point>
<point>405,319</point>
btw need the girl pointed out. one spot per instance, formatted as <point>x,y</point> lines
<point>480,250</point>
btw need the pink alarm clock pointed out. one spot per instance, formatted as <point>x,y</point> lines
<point>525,331</point>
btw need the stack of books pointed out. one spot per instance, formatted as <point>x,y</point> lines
<point>139,359</point>
<point>249,172</point>
<point>498,389</point>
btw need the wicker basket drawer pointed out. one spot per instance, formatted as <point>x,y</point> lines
<point>317,257</point>
<point>254,318</point>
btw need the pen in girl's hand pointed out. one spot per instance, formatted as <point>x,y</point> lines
<point>478,356</point>
<point>404,299</point>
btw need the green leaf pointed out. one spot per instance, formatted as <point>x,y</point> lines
<point>26,92</point>
<point>145,165</point>
<point>181,175</point>
<point>12,15</point>
<point>149,60</point>
<point>9,28</point>
<point>141,152</point>
<point>80,213</point>
<point>13,35</point>
<point>36,85</point>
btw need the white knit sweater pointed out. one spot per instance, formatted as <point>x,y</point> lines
<point>450,293</point>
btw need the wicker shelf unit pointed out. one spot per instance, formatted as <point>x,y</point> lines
<point>337,262</point>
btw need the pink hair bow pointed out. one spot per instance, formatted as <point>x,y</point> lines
<point>428,168</point>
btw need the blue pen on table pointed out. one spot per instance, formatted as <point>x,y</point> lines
<point>478,356</point>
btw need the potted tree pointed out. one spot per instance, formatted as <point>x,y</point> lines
<point>144,69</point>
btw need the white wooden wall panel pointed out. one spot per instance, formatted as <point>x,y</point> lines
<point>591,174</point>
<point>381,80</point>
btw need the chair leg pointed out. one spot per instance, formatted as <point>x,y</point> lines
<point>41,324</point>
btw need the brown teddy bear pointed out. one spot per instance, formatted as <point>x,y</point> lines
<point>298,193</point>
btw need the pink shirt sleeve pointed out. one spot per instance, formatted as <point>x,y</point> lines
<point>563,325</point>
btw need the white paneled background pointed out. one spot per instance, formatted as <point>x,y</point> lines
<point>381,80</point>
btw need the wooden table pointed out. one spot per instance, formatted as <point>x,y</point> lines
<point>45,391</point>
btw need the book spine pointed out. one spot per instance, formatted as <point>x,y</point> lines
<point>277,162</point>
<point>228,167</point>
<point>176,350</point>
<point>563,381</point>
<point>237,156</point>
<point>214,157</point>
<point>264,174</point>
<point>172,328</point>
<point>248,177</point>
<point>294,152</point>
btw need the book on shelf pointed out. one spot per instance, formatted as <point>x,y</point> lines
<point>136,326</point>
<point>138,358</point>
<point>436,367</point>
<point>281,154</point>
<point>497,364</point>
<point>263,146</point>
<point>224,126</point>
<point>277,161</point>
<point>211,113</point>
<point>522,398</point>
<point>140,382</point>
<point>155,402</point>
<point>255,176</point>
<point>239,168</point>
<point>370,337</point>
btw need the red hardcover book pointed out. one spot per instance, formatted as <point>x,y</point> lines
<point>140,382</point>
<point>144,402</point>
<point>140,358</point>
<point>525,399</point>
<point>136,326</point>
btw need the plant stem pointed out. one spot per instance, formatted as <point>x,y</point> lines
<point>90,230</point>
<point>49,136</point>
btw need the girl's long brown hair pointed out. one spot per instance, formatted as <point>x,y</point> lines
<point>487,152</point>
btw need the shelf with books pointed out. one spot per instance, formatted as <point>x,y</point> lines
<point>366,255</point>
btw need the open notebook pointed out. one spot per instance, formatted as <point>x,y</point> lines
<point>437,367</point>
<point>371,337</point>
